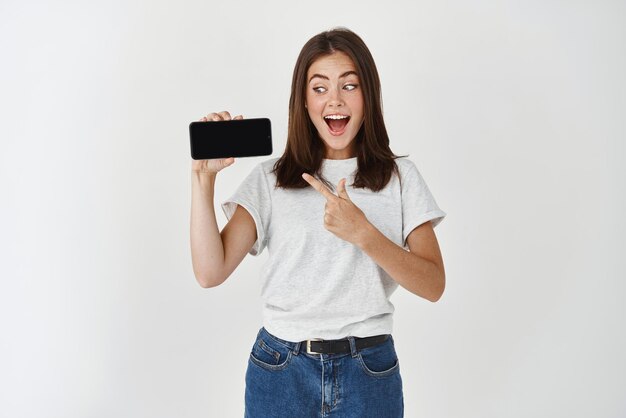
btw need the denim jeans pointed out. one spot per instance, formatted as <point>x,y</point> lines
<point>284,381</point>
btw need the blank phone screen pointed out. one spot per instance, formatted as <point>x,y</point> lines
<point>233,138</point>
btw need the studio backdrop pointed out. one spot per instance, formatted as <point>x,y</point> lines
<point>512,111</point>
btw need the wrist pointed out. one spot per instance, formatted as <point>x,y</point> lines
<point>203,180</point>
<point>201,174</point>
<point>366,236</point>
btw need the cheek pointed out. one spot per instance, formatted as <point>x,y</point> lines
<point>310,109</point>
<point>356,105</point>
<point>313,108</point>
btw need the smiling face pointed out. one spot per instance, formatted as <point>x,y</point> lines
<point>335,103</point>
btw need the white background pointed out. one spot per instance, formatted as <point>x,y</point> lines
<point>514,113</point>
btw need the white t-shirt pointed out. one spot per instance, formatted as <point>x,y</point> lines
<point>314,284</point>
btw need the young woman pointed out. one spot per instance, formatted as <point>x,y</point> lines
<point>338,212</point>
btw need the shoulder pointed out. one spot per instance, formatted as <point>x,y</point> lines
<point>264,168</point>
<point>267,165</point>
<point>410,175</point>
<point>263,172</point>
<point>405,165</point>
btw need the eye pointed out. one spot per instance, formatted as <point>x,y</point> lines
<point>350,87</point>
<point>317,89</point>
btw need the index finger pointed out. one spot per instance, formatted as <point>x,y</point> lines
<point>225,115</point>
<point>319,186</point>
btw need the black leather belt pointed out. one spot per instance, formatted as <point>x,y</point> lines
<point>341,346</point>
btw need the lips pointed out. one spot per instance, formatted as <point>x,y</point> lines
<point>336,123</point>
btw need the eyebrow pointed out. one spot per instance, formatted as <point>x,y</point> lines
<point>347,73</point>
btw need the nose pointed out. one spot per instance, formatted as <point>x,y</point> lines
<point>335,98</point>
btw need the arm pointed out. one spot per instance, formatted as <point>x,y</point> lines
<point>215,255</point>
<point>419,270</point>
<point>207,250</point>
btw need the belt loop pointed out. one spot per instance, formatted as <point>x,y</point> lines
<point>296,349</point>
<point>352,346</point>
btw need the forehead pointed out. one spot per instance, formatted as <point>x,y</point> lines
<point>334,64</point>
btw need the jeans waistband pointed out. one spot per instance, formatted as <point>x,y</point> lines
<point>349,343</point>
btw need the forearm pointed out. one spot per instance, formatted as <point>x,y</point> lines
<point>207,250</point>
<point>416,274</point>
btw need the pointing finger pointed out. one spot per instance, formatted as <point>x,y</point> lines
<point>319,186</point>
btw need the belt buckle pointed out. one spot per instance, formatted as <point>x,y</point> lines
<point>308,345</point>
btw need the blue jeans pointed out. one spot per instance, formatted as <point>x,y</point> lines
<point>283,380</point>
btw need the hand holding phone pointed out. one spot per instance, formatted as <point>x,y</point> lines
<point>223,137</point>
<point>217,164</point>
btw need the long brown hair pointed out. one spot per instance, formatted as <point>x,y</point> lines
<point>305,150</point>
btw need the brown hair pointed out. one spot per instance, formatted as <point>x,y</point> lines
<point>305,149</point>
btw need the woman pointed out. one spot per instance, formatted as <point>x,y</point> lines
<point>336,254</point>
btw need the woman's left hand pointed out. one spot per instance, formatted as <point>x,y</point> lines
<point>341,216</point>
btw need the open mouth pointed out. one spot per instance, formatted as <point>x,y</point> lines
<point>336,123</point>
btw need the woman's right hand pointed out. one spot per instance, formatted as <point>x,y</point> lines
<point>214,165</point>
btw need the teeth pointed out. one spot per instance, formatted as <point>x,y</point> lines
<point>335,117</point>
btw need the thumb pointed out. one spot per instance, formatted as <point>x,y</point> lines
<point>341,189</point>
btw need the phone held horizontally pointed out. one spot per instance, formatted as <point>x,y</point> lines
<point>230,138</point>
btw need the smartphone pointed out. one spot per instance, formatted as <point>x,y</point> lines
<point>230,138</point>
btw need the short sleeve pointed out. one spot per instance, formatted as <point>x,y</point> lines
<point>418,204</point>
<point>254,195</point>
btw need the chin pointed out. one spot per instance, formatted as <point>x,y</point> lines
<point>333,145</point>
